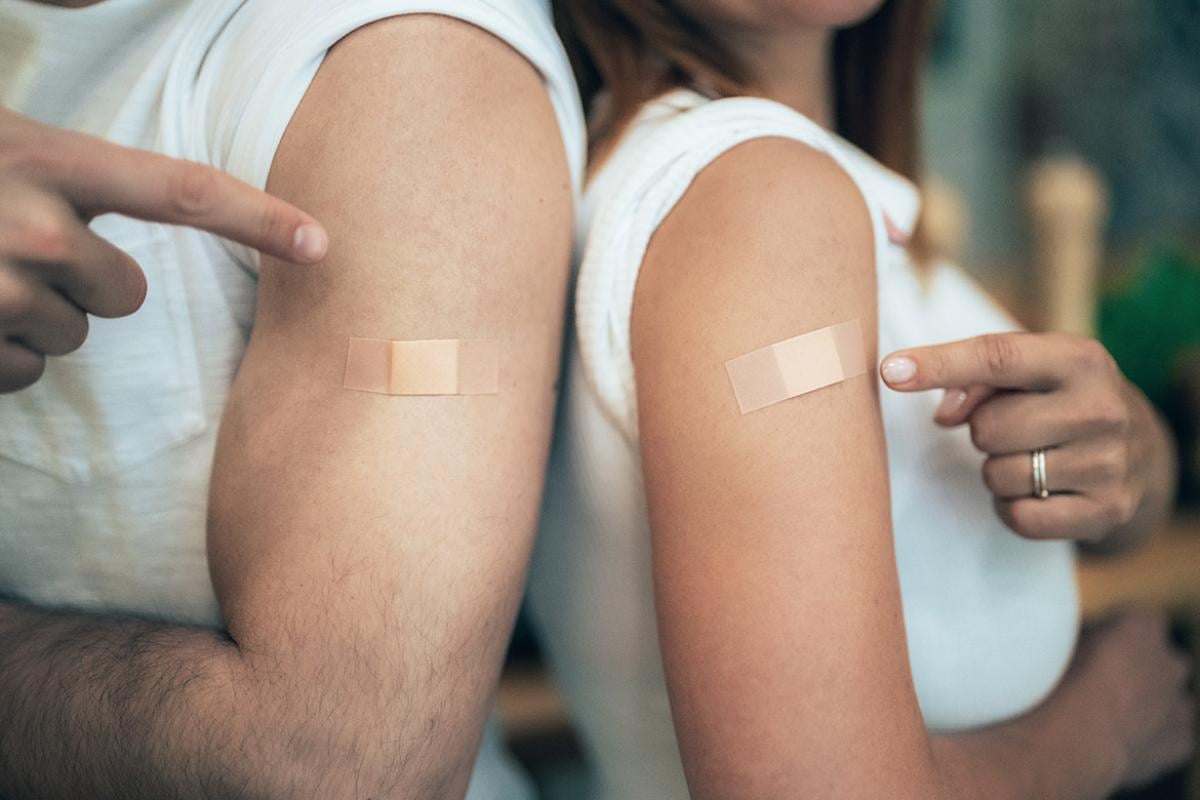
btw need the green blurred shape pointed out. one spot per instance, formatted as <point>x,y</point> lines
<point>1152,319</point>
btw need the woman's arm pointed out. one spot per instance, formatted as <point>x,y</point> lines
<point>1121,714</point>
<point>778,598</point>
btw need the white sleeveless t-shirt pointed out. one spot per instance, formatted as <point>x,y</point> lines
<point>991,617</point>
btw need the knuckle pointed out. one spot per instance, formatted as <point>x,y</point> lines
<point>115,291</point>
<point>1123,462</point>
<point>40,228</point>
<point>936,365</point>
<point>48,236</point>
<point>1025,521</point>
<point>17,300</point>
<point>1120,508</point>
<point>192,190</point>
<point>77,334</point>
<point>998,353</point>
<point>1091,355</point>
<point>24,158</point>
<point>1112,464</point>
<point>1107,412</point>
<point>983,431</point>
<point>1026,532</point>
<point>991,474</point>
<point>35,370</point>
<point>1116,513</point>
<point>273,223</point>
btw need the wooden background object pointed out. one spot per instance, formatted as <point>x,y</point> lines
<point>1068,206</point>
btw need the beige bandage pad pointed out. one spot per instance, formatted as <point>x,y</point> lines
<point>797,366</point>
<point>423,367</point>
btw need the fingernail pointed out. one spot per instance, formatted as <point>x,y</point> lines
<point>899,370</point>
<point>951,403</point>
<point>311,242</point>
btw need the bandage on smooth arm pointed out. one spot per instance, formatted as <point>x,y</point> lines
<point>423,367</point>
<point>797,366</point>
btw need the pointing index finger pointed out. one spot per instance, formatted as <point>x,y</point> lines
<point>108,178</point>
<point>1000,360</point>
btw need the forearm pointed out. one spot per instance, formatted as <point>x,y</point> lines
<point>105,707</point>
<point>1061,749</point>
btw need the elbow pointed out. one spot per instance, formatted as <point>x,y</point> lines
<point>329,718</point>
<point>345,756</point>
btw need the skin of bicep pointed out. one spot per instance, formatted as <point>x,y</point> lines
<point>775,575</point>
<point>369,550</point>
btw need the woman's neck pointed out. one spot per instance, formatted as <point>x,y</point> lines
<point>792,68</point>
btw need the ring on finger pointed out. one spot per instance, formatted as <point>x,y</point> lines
<point>1037,459</point>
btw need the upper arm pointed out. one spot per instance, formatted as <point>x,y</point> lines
<point>369,550</point>
<point>775,576</point>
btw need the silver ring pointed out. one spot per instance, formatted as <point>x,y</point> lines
<point>1038,460</point>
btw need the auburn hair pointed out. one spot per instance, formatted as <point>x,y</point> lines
<point>634,50</point>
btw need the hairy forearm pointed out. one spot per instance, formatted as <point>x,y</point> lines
<point>106,707</point>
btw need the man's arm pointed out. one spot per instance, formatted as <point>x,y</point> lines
<point>368,550</point>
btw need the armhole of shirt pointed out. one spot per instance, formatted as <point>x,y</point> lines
<point>277,92</point>
<point>642,198</point>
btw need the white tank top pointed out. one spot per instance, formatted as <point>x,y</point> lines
<point>991,617</point>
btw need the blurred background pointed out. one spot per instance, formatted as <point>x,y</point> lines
<point>1063,171</point>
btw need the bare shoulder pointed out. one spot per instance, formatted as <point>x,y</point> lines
<point>455,58</point>
<point>772,239</point>
<point>780,187</point>
<point>431,151</point>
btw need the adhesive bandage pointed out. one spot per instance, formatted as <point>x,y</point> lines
<point>423,367</point>
<point>797,366</point>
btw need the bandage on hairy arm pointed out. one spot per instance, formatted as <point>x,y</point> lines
<point>368,550</point>
<point>775,577</point>
<point>423,366</point>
